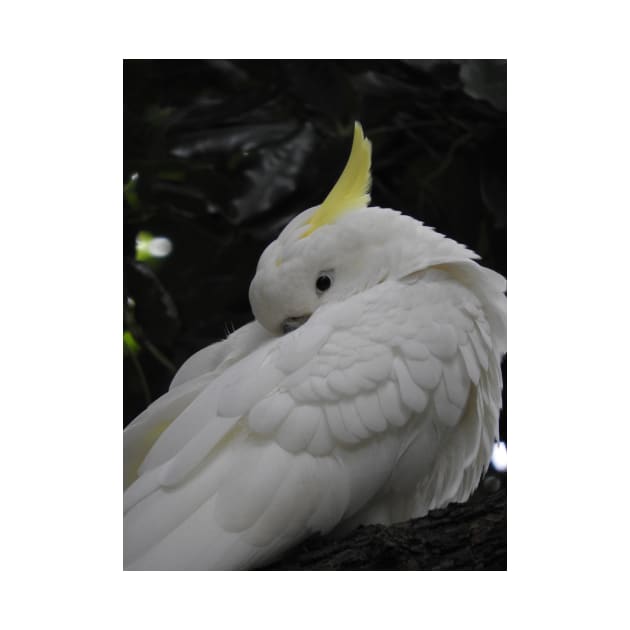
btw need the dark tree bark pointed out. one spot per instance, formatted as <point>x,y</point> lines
<point>466,536</point>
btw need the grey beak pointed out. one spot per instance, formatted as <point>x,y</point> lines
<point>291,323</point>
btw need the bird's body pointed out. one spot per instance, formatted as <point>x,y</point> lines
<point>381,405</point>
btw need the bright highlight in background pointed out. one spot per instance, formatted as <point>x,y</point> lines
<point>499,457</point>
<point>160,246</point>
<point>149,246</point>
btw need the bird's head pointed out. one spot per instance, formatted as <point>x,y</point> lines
<point>342,247</point>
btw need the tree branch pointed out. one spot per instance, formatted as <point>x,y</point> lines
<point>466,536</point>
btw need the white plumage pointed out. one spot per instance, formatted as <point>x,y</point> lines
<point>383,405</point>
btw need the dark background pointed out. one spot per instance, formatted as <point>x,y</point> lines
<point>220,155</point>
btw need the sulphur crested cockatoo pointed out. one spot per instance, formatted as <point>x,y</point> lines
<point>367,390</point>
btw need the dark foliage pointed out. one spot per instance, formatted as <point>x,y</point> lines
<point>219,155</point>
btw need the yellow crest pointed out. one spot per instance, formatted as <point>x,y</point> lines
<point>352,190</point>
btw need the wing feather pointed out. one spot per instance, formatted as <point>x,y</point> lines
<point>369,411</point>
<point>337,425</point>
<point>141,435</point>
<point>456,381</point>
<point>470,359</point>
<point>441,340</point>
<point>352,420</point>
<point>268,414</point>
<point>391,404</point>
<point>413,396</point>
<point>426,374</point>
<point>299,428</point>
<point>322,443</point>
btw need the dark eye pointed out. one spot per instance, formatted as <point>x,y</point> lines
<point>324,282</point>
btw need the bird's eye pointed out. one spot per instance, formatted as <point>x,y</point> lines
<point>324,282</point>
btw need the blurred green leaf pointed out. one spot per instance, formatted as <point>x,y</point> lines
<point>143,240</point>
<point>129,343</point>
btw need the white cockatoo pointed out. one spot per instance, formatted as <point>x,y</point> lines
<point>367,390</point>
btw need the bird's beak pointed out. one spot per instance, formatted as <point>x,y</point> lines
<point>291,323</point>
